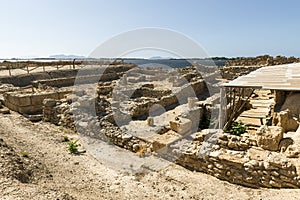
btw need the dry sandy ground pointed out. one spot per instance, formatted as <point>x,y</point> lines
<point>50,172</point>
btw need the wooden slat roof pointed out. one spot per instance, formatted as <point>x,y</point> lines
<point>279,77</point>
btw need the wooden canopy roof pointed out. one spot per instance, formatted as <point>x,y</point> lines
<point>279,77</point>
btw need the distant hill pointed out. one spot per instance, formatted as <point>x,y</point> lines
<point>63,56</point>
<point>159,58</point>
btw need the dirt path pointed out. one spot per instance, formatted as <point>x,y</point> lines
<point>50,172</point>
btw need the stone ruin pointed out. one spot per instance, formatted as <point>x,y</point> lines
<point>264,60</point>
<point>243,65</point>
<point>167,112</point>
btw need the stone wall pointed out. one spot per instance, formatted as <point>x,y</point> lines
<point>242,66</point>
<point>27,79</point>
<point>69,81</point>
<point>30,103</point>
<point>247,172</point>
<point>59,112</point>
<point>232,72</point>
<point>249,165</point>
<point>228,141</point>
<point>123,139</point>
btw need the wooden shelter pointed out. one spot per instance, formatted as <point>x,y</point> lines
<point>277,78</point>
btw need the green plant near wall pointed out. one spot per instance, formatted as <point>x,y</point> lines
<point>204,124</point>
<point>237,128</point>
<point>73,147</point>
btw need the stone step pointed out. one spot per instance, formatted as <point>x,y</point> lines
<point>261,105</point>
<point>263,116</point>
<point>263,101</point>
<point>251,121</point>
<point>260,111</point>
<point>256,113</point>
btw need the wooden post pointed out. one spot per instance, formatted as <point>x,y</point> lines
<point>230,96</point>
<point>222,108</point>
<point>230,99</point>
<point>233,103</point>
<point>237,110</point>
<point>27,69</point>
<point>233,100</point>
<point>74,63</point>
<point>243,93</point>
<point>9,69</point>
<point>43,67</point>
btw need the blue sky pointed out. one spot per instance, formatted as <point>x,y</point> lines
<point>223,27</point>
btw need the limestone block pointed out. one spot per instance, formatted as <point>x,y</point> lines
<point>181,125</point>
<point>11,106</point>
<point>37,99</point>
<point>198,86</point>
<point>161,141</point>
<point>4,111</point>
<point>256,153</point>
<point>284,120</point>
<point>34,118</point>
<point>49,102</point>
<point>179,82</point>
<point>192,102</point>
<point>22,100</point>
<point>150,121</point>
<point>61,94</point>
<point>148,85</point>
<point>269,137</point>
<point>168,100</point>
<point>132,80</point>
<point>104,89</point>
<point>31,110</point>
<point>292,104</point>
<point>195,115</point>
<point>292,151</point>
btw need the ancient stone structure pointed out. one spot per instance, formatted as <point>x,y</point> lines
<point>253,166</point>
<point>167,113</point>
<point>232,72</point>
<point>31,102</point>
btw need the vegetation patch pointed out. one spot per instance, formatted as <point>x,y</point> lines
<point>237,128</point>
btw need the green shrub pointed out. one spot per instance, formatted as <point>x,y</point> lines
<point>204,124</point>
<point>25,154</point>
<point>73,146</point>
<point>66,139</point>
<point>237,128</point>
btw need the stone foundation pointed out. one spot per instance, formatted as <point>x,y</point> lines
<point>30,103</point>
<point>249,166</point>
